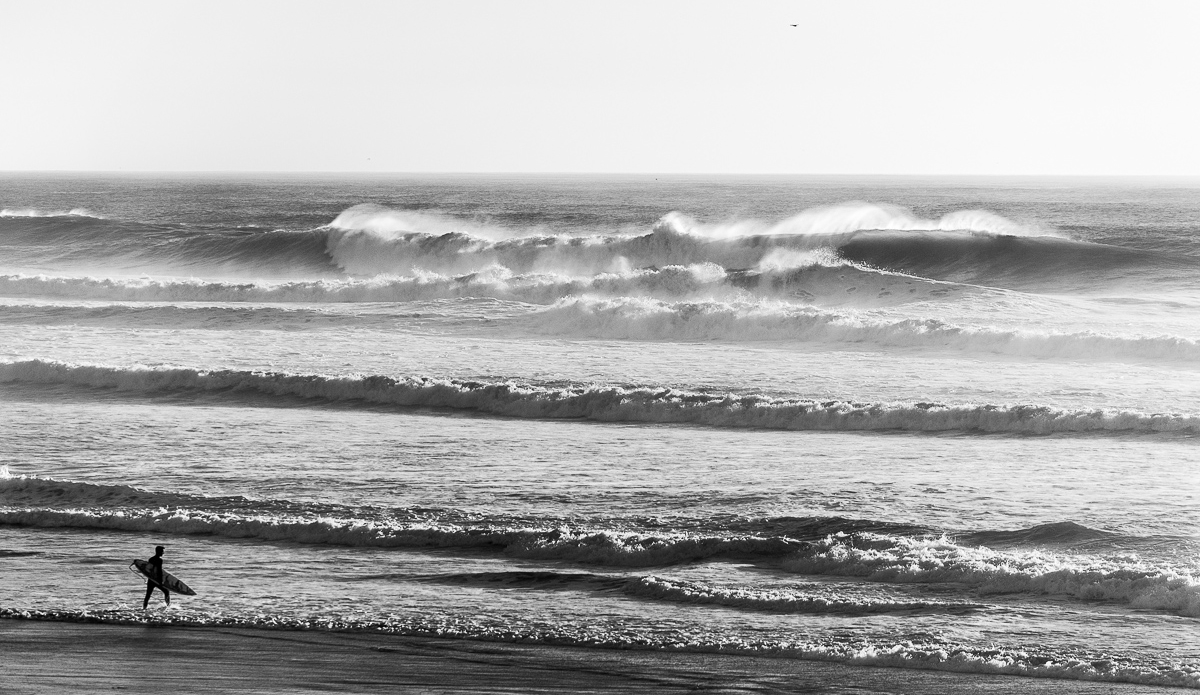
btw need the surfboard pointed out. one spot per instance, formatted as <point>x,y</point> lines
<point>172,583</point>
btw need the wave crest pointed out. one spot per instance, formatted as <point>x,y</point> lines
<point>370,239</point>
<point>855,216</point>
<point>782,600</point>
<point>31,212</point>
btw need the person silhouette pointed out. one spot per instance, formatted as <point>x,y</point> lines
<point>156,577</point>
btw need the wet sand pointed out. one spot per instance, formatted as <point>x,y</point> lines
<point>40,657</point>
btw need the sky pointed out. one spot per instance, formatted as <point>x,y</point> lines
<point>855,87</point>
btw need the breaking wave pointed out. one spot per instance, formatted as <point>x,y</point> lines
<point>390,222</point>
<point>569,544</point>
<point>30,212</point>
<point>605,403</point>
<point>877,557</point>
<point>966,246</point>
<point>885,558</point>
<point>783,600</point>
<point>368,240</point>
<point>844,218</point>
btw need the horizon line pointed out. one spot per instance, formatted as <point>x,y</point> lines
<point>343,172</point>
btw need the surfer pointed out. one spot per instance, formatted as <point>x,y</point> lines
<point>156,570</point>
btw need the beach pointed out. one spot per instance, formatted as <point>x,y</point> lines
<point>45,657</point>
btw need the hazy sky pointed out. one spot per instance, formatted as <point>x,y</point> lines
<point>896,87</point>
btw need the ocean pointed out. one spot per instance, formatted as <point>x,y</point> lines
<point>924,423</point>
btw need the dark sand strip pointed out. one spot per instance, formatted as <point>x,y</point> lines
<point>41,657</point>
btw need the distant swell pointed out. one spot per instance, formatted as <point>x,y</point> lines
<point>1065,533</point>
<point>79,240</point>
<point>650,319</point>
<point>1004,261</point>
<point>593,317</point>
<point>605,403</point>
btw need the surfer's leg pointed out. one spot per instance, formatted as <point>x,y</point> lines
<point>149,591</point>
<point>166,595</point>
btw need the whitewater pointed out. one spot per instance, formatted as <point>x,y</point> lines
<point>945,424</point>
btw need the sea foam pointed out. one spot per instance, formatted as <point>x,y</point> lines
<point>922,560</point>
<point>31,212</point>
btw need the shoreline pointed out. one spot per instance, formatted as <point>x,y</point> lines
<point>44,657</point>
